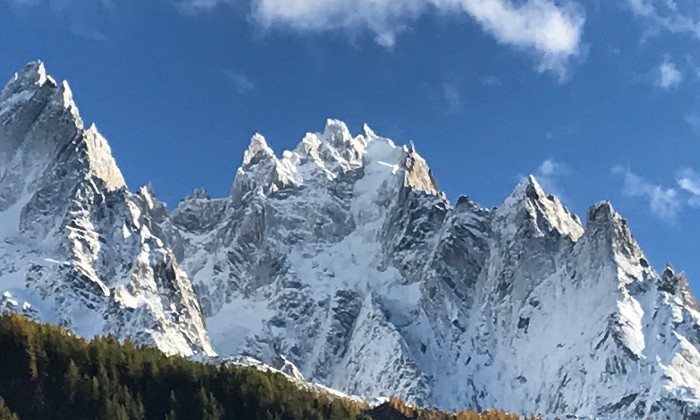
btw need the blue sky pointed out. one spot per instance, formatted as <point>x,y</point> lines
<point>599,99</point>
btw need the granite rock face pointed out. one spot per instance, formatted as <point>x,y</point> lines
<point>77,248</point>
<point>344,255</point>
<point>343,259</point>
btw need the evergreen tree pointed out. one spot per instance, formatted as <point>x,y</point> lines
<point>71,380</point>
<point>51,374</point>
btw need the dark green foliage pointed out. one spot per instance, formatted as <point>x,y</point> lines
<point>47,373</point>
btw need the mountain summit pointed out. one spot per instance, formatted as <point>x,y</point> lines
<point>76,246</point>
<point>345,258</point>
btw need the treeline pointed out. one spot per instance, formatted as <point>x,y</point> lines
<point>395,409</point>
<point>47,373</point>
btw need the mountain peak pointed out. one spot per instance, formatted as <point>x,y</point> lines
<point>602,215</point>
<point>33,84</point>
<point>676,284</point>
<point>42,123</point>
<point>32,76</point>
<point>261,169</point>
<point>601,212</point>
<point>257,150</point>
<point>529,202</point>
<point>609,236</point>
<point>418,175</point>
<point>103,269</point>
<point>336,132</point>
<point>331,152</point>
<point>22,86</point>
<point>365,284</point>
<point>33,68</point>
<point>528,187</point>
<point>101,162</point>
<point>368,132</point>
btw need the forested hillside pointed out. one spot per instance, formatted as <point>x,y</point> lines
<point>47,373</point>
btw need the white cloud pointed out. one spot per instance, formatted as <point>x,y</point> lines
<point>452,95</point>
<point>196,6</point>
<point>82,17</point>
<point>490,81</point>
<point>663,202</point>
<point>549,30</point>
<point>241,82</point>
<point>384,18</point>
<point>689,181</point>
<point>668,77</point>
<point>550,167</point>
<point>675,16</point>
<point>552,31</point>
<point>549,175</point>
<point>693,121</point>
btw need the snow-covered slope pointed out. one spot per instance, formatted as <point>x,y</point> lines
<point>344,256</point>
<point>76,247</point>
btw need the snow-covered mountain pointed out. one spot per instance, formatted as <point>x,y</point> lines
<point>76,247</point>
<point>344,256</point>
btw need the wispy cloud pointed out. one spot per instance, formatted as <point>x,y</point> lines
<point>82,17</point>
<point>549,30</point>
<point>549,174</point>
<point>197,6</point>
<point>452,95</point>
<point>668,76</point>
<point>664,203</point>
<point>689,181</point>
<point>680,17</point>
<point>491,81</point>
<point>240,81</point>
<point>693,121</point>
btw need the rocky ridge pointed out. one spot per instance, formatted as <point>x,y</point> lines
<point>344,256</point>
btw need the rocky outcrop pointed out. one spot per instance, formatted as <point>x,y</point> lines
<point>77,247</point>
<point>344,256</point>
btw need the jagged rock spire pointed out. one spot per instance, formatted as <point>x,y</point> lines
<point>82,250</point>
<point>529,204</point>
<point>333,255</point>
<point>31,76</point>
<point>257,150</point>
